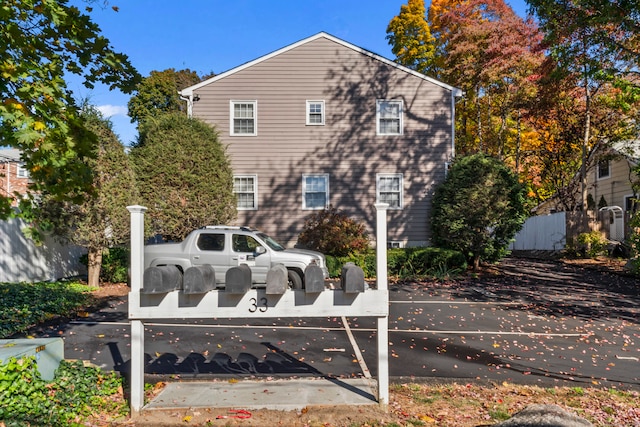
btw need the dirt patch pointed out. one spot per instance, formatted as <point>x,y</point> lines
<point>110,290</point>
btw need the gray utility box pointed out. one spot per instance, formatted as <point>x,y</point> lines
<point>49,352</point>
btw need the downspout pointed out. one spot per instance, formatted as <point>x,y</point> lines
<point>189,99</point>
<point>455,93</point>
<point>453,124</point>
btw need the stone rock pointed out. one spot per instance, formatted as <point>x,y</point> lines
<point>544,416</point>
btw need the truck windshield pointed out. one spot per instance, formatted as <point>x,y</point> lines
<point>271,242</point>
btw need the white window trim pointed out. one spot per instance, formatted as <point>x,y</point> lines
<point>21,171</point>
<point>390,175</point>
<point>395,244</point>
<point>394,101</point>
<point>232,117</point>
<point>598,177</point>
<point>255,192</point>
<point>304,191</point>
<point>308,113</point>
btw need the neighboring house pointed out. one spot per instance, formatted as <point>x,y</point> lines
<point>325,123</point>
<point>14,178</point>
<point>610,188</point>
<point>610,178</point>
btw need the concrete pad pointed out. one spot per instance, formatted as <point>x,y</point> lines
<point>285,395</point>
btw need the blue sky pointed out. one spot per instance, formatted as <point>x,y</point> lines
<point>217,35</point>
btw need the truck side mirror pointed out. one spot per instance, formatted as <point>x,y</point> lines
<point>261,250</point>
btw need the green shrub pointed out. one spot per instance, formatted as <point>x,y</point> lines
<point>74,395</point>
<point>332,232</point>
<point>115,265</point>
<point>366,261</point>
<point>408,263</point>
<point>24,394</point>
<point>25,304</point>
<point>592,244</point>
<point>425,262</point>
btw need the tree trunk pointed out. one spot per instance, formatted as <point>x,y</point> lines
<point>476,263</point>
<point>518,142</point>
<point>585,140</point>
<point>93,266</point>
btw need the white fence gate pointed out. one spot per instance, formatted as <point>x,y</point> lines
<point>22,261</point>
<point>542,233</point>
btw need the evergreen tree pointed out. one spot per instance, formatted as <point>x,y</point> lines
<point>478,209</point>
<point>184,175</point>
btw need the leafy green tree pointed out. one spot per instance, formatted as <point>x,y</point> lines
<point>410,38</point>
<point>158,93</point>
<point>41,42</point>
<point>184,175</point>
<point>101,221</point>
<point>478,209</point>
<point>596,42</point>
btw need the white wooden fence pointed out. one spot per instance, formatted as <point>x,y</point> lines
<point>22,261</point>
<point>542,233</point>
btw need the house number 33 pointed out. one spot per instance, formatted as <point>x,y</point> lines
<point>258,305</point>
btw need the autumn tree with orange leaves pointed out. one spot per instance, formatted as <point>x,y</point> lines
<point>492,54</point>
<point>524,103</point>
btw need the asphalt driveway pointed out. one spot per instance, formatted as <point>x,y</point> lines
<point>529,322</point>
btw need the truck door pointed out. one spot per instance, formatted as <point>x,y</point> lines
<point>244,251</point>
<point>210,249</point>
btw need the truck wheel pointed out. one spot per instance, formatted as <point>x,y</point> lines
<point>295,281</point>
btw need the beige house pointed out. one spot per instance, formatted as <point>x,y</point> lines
<point>611,179</point>
<point>14,178</point>
<point>610,190</point>
<point>324,123</point>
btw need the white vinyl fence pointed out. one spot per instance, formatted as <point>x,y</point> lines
<point>22,261</point>
<point>542,233</point>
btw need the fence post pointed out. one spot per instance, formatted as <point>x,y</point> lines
<point>382,286</point>
<point>136,371</point>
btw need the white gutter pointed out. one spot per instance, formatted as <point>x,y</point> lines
<point>189,99</point>
<point>457,93</point>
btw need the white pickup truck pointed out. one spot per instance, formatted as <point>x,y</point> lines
<point>224,247</point>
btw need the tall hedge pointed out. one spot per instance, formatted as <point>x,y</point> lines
<point>184,175</point>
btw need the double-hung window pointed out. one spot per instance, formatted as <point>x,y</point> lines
<point>388,117</point>
<point>389,189</point>
<point>22,172</point>
<point>604,170</point>
<point>315,113</point>
<point>245,187</point>
<point>315,191</point>
<point>244,118</point>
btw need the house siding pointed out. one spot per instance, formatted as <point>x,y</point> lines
<point>616,186</point>
<point>346,147</point>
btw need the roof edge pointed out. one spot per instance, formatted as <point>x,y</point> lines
<point>456,92</point>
